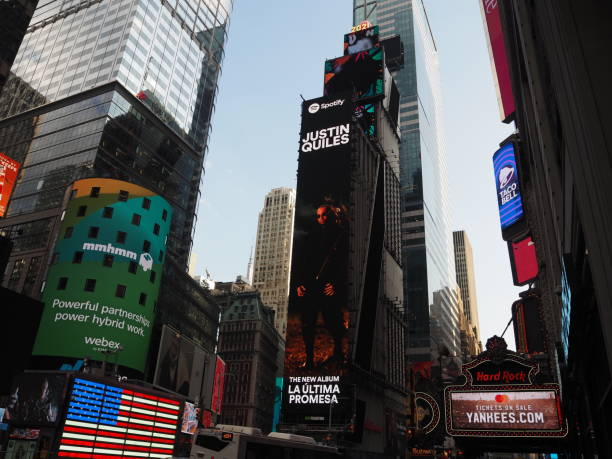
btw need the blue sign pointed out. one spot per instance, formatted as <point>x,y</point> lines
<point>507,183</point>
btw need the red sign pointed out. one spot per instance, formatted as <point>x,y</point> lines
<point>218,383</point>
<point>523,260</point>
<point>9,168</point>
<point>207,420</point>
<point>497,51</point>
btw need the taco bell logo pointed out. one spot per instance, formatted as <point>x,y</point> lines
<point>505,175</point>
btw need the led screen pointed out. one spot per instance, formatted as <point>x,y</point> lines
<point>509,198</point>
<point>362,73</point>
<point>104,421</point>
<point>523,260</point>
<point>360,40</point>
<point>105,273</point>
<point>9,168</point>
<point>35,399</point>
<point>218,386</point>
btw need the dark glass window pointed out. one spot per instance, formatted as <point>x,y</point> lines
<point>93,231</point>
<point>146,246</point>
<point>136,219</point>
<point>62,283</point>
<point>121,236</point>
<point>146,203</point>
<point>108,261</point>
<point>95,192</point>
<point>161,255</point>
<point>152,276</point>
<point>143,299</point>
<point>68,232</point>
<point>132,267</point>
<point>123,195</point>
<point>82,210</point>
<point>164,215</point>
<point>107,212</point>
<point>120,291</point>
<point>156,229</point>
<point>77,257</point>
<point>90,285</point>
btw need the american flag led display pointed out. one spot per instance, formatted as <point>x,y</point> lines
<point>106,422</point>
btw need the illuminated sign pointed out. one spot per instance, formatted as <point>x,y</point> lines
<point>509,198</point>
<point>360,40</point>
<point>218,385</point>
<point>362,73</point>
<point>105,421</point>
<point>9,168</point>
<point>361,26</point>
<point>105,273</point>
<point>523,261</point>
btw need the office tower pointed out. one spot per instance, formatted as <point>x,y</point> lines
<point>15,16</point>
<point>466,279</point>
<point>273,252</point>
<point>117,90</point>
<point>427,254</point>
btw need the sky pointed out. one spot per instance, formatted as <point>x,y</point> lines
<point>274,56</point>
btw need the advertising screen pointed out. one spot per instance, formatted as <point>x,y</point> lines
<point>360,40</point>
<point>105,273</point>
<point>523,260</point>
<point>509,198</point>
<point>317,346</point>
<point>189,425</point>
<point>104,421</point>
<point>362,73</point>
<point>36,399</point>
<point>506,410</point>
<point>9,168</point>
<point>218,386</point>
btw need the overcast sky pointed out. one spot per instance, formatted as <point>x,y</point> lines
<point>275,53</point>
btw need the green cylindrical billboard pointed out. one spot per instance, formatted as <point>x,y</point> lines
<point>105,273</point>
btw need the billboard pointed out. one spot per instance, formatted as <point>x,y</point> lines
<point>105,273</point>
<point>509,198</point>
<point>361,40</point>
<point>316,349</point>
<point>523,260</point>
<point>36,399</point>
<point>104,420</point>
<point>529,330</point>
<point>499,58</point>
<point>9,168</point>
<point>218,386</point>
<point>361,73</point>
<point>189,425</point>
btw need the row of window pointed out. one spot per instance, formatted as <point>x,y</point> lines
<point>90,286</point>
<point>122,197</point>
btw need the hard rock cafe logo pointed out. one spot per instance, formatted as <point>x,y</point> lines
<point>490,5</point>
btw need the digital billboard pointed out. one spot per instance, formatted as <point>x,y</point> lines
<point>529,329</point>
<point>9,168</point>
<point>105,273</point>
<point>218,386</point>
<point>316,350</point>
<point>189,425</point>
<point>36,399</point>
<point>104,421</point>
<point>361,40</point>
<point>499,57</point>
<point>361,73</point>
<point>509,198</point>
<point>523,260</point>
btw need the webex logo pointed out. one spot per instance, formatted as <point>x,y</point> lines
<point>315,107</point>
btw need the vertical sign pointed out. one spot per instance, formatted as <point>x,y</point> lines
<point>218,385</point>
<point>316,348</point>
<point>507,183</point>
<point>523,260</point>
<point>499,58</point>
<point>9,168</point>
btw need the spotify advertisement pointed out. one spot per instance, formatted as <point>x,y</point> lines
<point>105,273</point>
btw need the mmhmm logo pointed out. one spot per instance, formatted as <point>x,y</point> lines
<point>145,260</point>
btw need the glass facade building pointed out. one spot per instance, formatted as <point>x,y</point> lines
<point>427,249</point>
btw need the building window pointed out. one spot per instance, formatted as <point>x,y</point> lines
<point>146,203</point>
<point>95,192</point>
<point>164,215</point>
<point>146,246</point>
<point>132,267</point>
<point>107,212</point>
<point>62,283</point>
<point>120,291</point>
<point>90,285</point>
<point>156,229</point>
<point>136,219</point>
<point>77,257</point>
<point>81,211</point>
<point>143,299</point>
<point>93,232</point>
<point>161,255</point>
<point>68,232</point>
<point>108,261</point>
<point>152,276</point>
<point>121,236</point>
<point>123,195</point>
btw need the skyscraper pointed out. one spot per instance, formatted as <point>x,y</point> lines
<point>273,253</point>
<point>464,267</point>
<point>114,89</point>
<point>427,254</point>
